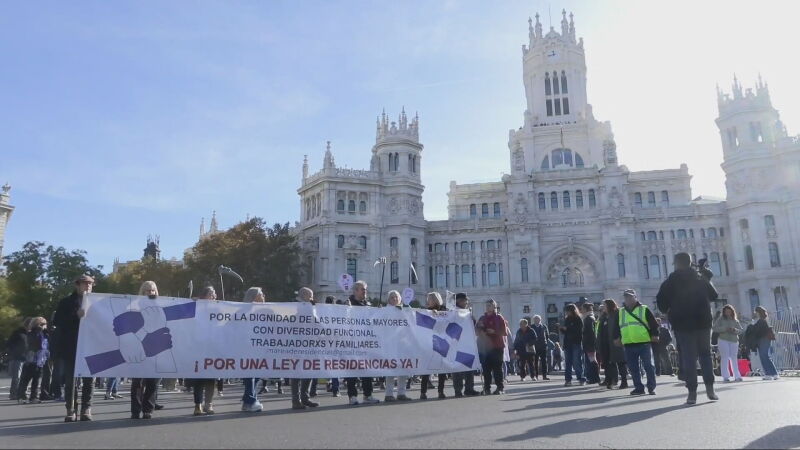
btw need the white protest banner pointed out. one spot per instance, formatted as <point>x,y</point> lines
<point>345,282</point>
<point>408,295</point>
<point>134,336</point>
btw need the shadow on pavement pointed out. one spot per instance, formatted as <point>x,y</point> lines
<point>559,429</point>
<point>784,437</point>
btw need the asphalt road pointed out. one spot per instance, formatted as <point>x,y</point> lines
<point>751,414</point>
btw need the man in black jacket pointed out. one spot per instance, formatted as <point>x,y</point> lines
<point>541,346</point>
<point>464,381</point>
<point>685,297</point>
<point>592,369</point>
<point>359,298</point>
<point>68,319</point>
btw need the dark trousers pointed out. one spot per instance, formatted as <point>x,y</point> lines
<point>616,372</point>
<point>663,364</point>
<point>493,368</point>
<point>203,389</point>
<point>591,369</point>
<point>464,382</point>
<point>57,378</point>
<point>366,386</point>
<point>143,395</point>
<point>71,391</point>
<point>426,379</point>
<point>30,374</point>
<point>540,360</point>
<point>694,345</point>
<point>300,390</point>
<point>47,375</point>
<point>527,367</point>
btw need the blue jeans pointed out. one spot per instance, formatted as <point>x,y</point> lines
<point>249,396</point>
<point>573,359</point>
<point>111,385</point>
<point>643,352</point>
<point>335,385</point>
<point>763,354</point>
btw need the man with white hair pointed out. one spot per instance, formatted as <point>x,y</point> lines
<point>359,298</point>
<point>300,387</point>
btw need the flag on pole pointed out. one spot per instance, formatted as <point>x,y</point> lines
<point>450,300</point>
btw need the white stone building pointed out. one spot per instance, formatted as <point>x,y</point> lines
<point>569,220</point>
<point>5,215</point>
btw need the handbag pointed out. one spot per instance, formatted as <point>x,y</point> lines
<point>770,334</point>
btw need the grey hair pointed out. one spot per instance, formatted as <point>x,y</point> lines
<point>537,317</point>
<point>147,285</point>
<point>393,292</point>
<point>207,290</point>
<point>361,283</point>
<point>251,294</point>
<point>436,297</point>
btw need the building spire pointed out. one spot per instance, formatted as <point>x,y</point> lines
<point>328,162</point>
<point>571,28</point>
<point>213,226</point>
<point>538,27</point>
<point>305,166</point>
<point>564,23</point>
<point>202,226</point>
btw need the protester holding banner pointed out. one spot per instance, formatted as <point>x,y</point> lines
<point>250,401</point>
<point>359,298</point>
<point>300,387</point>
<point>143,390</point>
<point>393,299</point>
<point>434,303</point>
<point>464,382</point>
<point>203,389</point>
<point>68,318</point>
<point>494,327</point>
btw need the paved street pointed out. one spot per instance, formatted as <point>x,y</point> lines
<point>752,414</point>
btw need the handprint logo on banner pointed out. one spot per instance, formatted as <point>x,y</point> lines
<point>445,341</point>
<point>142,334</point>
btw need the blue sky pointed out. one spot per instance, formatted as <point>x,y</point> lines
<point>123,119</point>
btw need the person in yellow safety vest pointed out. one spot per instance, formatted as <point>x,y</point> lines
<point>636,329</point>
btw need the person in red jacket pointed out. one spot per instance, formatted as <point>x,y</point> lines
<point>494,328</point>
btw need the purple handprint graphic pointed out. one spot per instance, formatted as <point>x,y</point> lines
<point>156,342</point>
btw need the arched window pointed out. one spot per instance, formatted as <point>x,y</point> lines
<point>769,221</point>
<point>655,267</point>
<point>485,210</point>
<point>651,236</point>
<point>395,276</point>
<point>715,264</point>
<point>497,209</point>
<point>352,267</point>
<point>547,89</point>
<point>523,265</point>
<point>438,247</point>
<point>566,200</point>
<point>681,234</point>
<point>651,199</point>
<point>483,274</point>
<point>440,279</point>
<point>464,246</point>
<point>391,162</point>
<point>473,210</point>
<point>592,199</point>
<point>646,269</point>
<point>748,257</point>
<point>499,244</point>
<point>466,275</point>
<point>579,199</point>
<point>500,266</point>
<point>664,198</point>
<point>393,242</point>
<point>474,279</point>
<point>483,245</point>
<point>308,209</point>
<point>564,89</point>
<point>351,206</point>
<point>493,277</point>
<point>362,242</point>
<point>340,241</point>
<point>660,235</point>
<point>620,265</point>
<point>542,202</point>
<point>553,200</point>
<point>340,206</point>
<point>555,83</point>
<point>396,161</point>
<point>781,299</point>
<point>362,207</point>
<point>744,224</point>
<point>774,255</point>
<point>567,157</point>
<point>691,233</point>
<point>578,159</point>
<point>637,199</point>
<point>491,245</point>
<point>752,294</point>
<point>643,235</point>
<point>546,162</point>
<point>558,158</point>
<point>712,232</point>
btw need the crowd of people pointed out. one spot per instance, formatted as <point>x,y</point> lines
<point>624,339</point>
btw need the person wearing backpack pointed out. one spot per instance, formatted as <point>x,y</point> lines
<point>763,335</point>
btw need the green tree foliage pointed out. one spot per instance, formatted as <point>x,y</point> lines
<point>39,275</point>
<point>171,279</point>
<point>267,257</point>
<point>10,317</point>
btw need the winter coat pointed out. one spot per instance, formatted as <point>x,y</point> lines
<point>686,299</point>
<point>722,326</point>
<point>573,335</point>
<point>541,336</point>
<point>609,352</point>
<point>17,344</point>
<point>523,339</point>
<point>67,322</point>
<point>589,339</point>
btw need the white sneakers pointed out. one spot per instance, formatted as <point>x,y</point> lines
<point>770,377</point>
<point>255,407</point>
<point>354,401</point>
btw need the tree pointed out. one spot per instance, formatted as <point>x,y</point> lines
<point>40,274</point>
<point>10,317</point>
<point>264,257</point>
<point>172,280</point>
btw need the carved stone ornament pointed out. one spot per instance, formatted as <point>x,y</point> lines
<point>571,269</point>
<point>394,206</point>
<point>413,207</point>
<point>520,209</point>
<point>519,159</point>
<point>616,203</point>
<point>610,151</point>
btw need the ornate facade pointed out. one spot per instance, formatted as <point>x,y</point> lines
<point>568,220</point>
<point>5,214</point>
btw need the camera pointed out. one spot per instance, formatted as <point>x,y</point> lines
<point>702,269</point>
